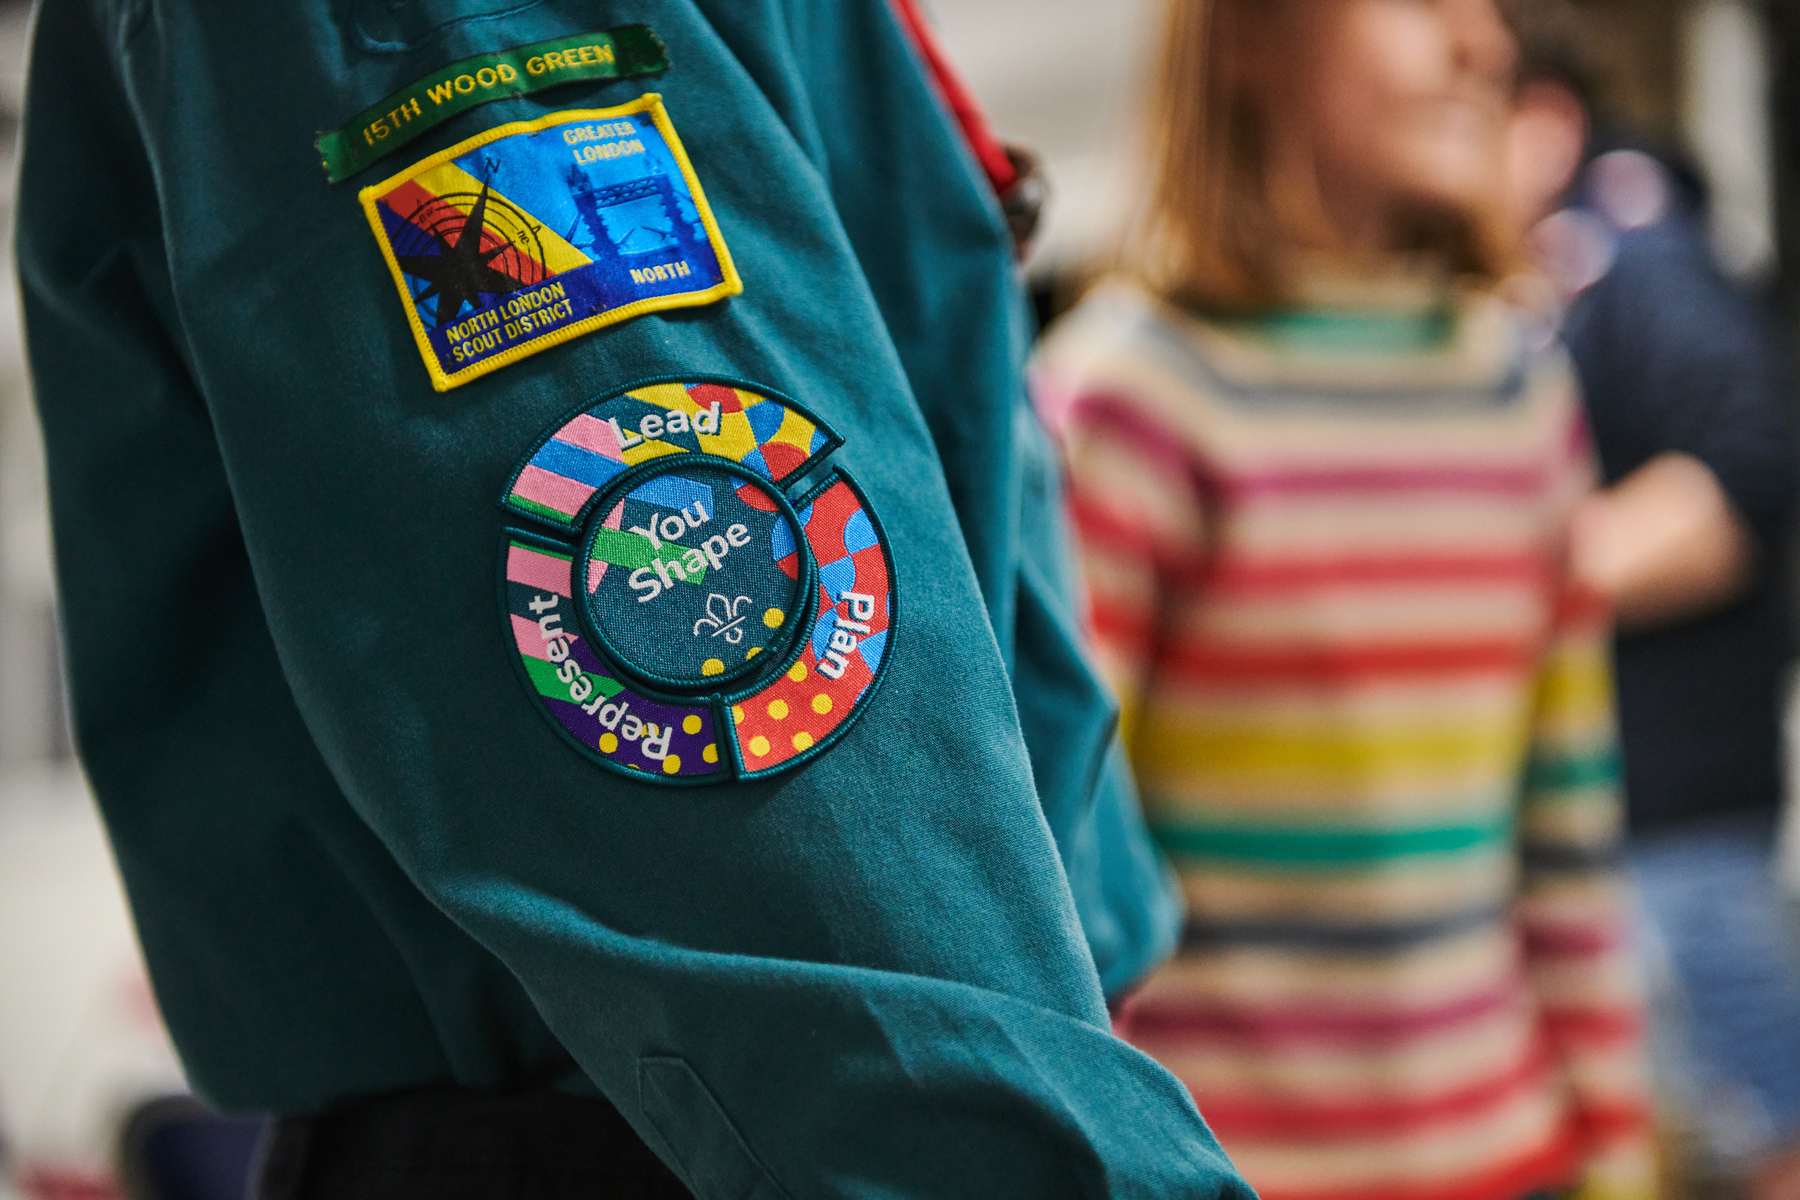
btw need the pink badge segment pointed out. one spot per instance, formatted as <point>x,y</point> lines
<point>529,636</point>
<point>772,438</point>
<point>591,433</point>
<point>554,494</point>
<point>544,571</point>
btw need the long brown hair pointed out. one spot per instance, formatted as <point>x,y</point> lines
<point>1217,220</point>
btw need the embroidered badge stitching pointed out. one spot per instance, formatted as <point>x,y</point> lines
<point>384,127</point>
<point>560,477</point>
<point>491,268</point>
<point>670,718</point>
<point>673,547</point>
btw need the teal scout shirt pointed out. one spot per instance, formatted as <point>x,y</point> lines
<point>359,856</point>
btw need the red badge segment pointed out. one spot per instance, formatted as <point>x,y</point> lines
<point>842,657</point>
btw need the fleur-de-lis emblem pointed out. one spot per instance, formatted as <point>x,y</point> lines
<point>723,616</point>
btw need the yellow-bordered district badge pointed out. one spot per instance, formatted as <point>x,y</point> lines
<point>540,231</point>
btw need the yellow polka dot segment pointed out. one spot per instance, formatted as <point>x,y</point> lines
<point>711,753</point>
<point>712,666</point>
<point>737,713</point>
<point>778,709</point>
<point>752,653</point>
<point>609,742</point>
<point>773,618</point>
<point>803,741</point>
<point>797,672</point>
<point>759,746</point>
<point>690,723</point>
<point>821,704</point>
<point>672,764</point>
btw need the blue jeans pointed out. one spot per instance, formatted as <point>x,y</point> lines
<point>1727,1016</point>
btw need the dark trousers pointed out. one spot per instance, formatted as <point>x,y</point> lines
<point>454,1144</point>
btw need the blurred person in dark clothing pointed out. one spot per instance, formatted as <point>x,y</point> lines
<point>1688,392</point>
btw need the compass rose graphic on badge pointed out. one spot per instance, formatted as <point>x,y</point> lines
<point>459,255</point>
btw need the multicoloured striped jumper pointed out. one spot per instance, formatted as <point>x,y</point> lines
<point>1374,734</point>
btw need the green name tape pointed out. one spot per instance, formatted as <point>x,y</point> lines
<point>380,130</point>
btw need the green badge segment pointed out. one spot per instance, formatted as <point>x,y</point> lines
<point>377,131</point>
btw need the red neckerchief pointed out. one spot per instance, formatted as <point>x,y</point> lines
<point>977,133</point>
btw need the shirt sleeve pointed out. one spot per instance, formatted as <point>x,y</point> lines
<point>788,987</point>
<point>1575,904</point>
<point>1140,522</point>
<point>1003,478</point>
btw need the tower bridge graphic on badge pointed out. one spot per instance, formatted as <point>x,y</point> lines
<point>540,231</point>
<point>685,602</point>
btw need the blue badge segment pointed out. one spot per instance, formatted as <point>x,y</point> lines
<point>578,463</point>
<point>781,541</point>
<point>837,577</point>
<point>673,491</point>
<point>539,231</point>
<point>858,533</point>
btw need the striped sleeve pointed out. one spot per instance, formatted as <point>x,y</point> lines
<point>1139,523</point>
<point>1575,903</point>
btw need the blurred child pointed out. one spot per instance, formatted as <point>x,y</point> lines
<point>1323,483</point>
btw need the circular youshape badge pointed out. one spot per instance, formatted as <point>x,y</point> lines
<point>691,573</point>
<point>678,611</point>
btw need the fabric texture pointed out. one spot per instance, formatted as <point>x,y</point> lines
<point>1374,733</point>
<point>358,859</point>
<point>1674,357</point>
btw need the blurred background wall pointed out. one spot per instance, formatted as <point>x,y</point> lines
<point>79,1041</point>
<point>33,728</point>
<point>1066,77</point>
